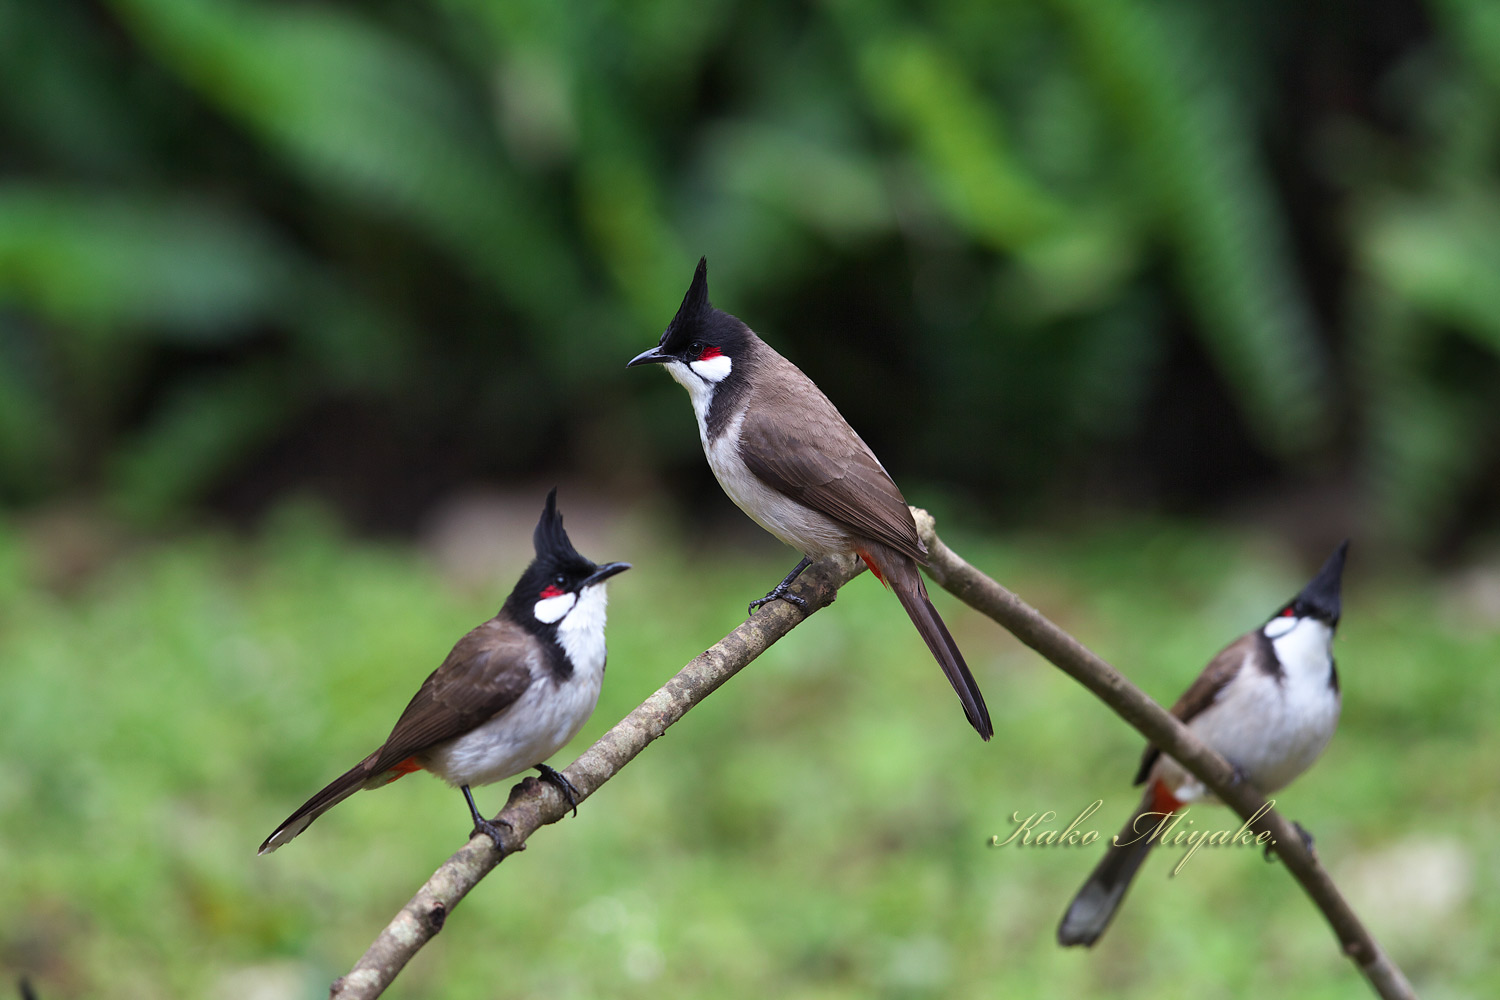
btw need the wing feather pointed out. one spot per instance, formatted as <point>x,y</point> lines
<point>486,672</point>
<point>798,443</point>
<point>1203,691</point>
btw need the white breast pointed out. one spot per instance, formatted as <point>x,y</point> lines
<point>544,718</point>
<point>804,529</point>
<point>1271,728</point>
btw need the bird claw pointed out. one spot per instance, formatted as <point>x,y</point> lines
<point>491,829</point>
<point>781,592</point>
<point>558,780</point>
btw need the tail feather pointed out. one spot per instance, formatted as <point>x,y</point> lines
<point>338,790</point>
<point>902,576</point>
<point>1095,905</point>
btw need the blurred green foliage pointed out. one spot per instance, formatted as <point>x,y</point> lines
<point>222,221</point>
<point>816,829</point>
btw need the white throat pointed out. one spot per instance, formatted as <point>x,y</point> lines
<point>700,379</point>
<point>1304,646</point>
<point>581,631</point>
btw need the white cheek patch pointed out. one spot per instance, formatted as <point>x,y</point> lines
<point>550,609</point>
<point>714,369</point>
<point>1280,626</point>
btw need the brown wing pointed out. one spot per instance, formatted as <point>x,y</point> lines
<point>809,452</point>
<point>1202,692</point>
<point>487,671</point>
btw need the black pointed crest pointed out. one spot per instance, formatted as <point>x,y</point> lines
<point>1321,595</point>
<point>549,539</point>
<point>695,302</point>
<point>693,312</point>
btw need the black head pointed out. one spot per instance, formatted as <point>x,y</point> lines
<point>699,332</point>
<point>1320,598</point>
<point>557,571</point>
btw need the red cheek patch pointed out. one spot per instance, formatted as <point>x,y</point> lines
<point>551,591</point>
<point>710,353</point>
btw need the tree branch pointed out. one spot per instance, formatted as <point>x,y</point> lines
<point>1164,730</point>
<point>533,804</point>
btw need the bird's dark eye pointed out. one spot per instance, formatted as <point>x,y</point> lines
<point>699,351</point>
<point>559,580</point>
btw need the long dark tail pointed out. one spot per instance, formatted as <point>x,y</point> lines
<point>901,575</point>
<point>338,790</point>
<point>1095,905</point>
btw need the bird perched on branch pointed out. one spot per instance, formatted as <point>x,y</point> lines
<point>786,457</point>
<point>1268,703</point>
<point>510,694</point>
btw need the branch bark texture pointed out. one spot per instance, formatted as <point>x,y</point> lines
<point>533,804</point>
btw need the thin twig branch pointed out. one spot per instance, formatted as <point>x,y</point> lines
<point>534,804</point>
<point>1164,730</point>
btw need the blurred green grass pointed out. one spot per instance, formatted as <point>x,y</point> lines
<point>817,829</point>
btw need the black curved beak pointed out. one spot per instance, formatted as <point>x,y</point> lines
<point>655,356</point>
<point>604,573</point>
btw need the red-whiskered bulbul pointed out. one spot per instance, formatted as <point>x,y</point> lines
<point>788,459</point>
<point>1268,703</point>
<point>510,694</point>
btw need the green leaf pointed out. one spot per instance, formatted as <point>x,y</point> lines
<point>360,112</point>
<point>104,262</point>
<point>920,89</point>
<point>1442,256</point>
<point>1191,141</point>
